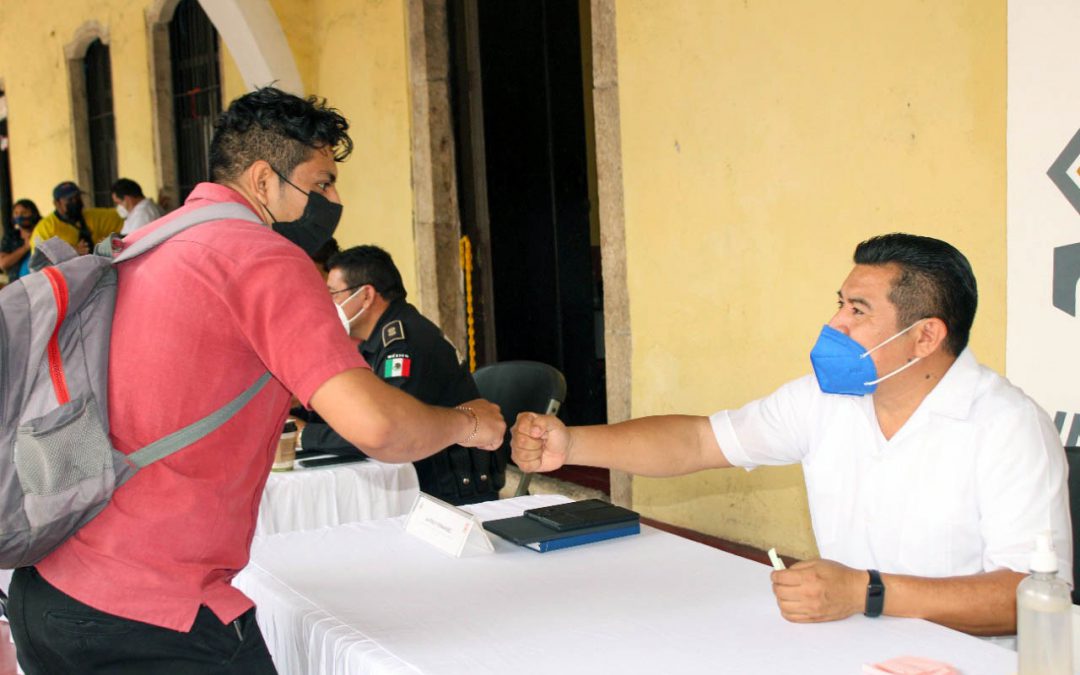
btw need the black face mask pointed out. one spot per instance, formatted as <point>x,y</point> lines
<point>73,212</point>
<point>316,224</point>
<point>25,222</point>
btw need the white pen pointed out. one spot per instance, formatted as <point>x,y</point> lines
<point>777,563</point>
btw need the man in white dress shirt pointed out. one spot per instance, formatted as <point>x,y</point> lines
<point>135,208</point>
<point>919,462</point>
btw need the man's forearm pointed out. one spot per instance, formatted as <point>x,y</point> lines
<point>667,445</point>
<point>980,604</point>
<point>384,422</point>
<point>9,260</point>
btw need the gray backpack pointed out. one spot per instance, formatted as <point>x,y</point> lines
<point>58,468</point>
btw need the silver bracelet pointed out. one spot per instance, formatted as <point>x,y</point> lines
<point>476,423</point>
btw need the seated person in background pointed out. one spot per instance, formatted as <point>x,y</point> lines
<point>135,208</point>
<point>919,462</point>
<point>81,227</point>
<point>409,352</point>
<point>15,249</point>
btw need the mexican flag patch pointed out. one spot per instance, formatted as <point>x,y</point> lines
<point>396,367</point>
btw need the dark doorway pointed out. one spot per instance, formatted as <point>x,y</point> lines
<point>523,164</point>
<point>196,85</point>
<point>97,67</point>
<point>6,200</point>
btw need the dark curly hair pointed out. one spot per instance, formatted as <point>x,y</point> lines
<point>277,127</point>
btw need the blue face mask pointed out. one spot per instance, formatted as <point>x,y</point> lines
<point>842,366</point>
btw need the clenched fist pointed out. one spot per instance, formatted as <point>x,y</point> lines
<point>540,443</point>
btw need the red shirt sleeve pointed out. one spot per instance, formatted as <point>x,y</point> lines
<point>283,308</point>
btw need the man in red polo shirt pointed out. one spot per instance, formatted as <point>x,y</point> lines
<point>145,586</point>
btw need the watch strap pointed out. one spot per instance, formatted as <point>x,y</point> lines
<point>875,595</point>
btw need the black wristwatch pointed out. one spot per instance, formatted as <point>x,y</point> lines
<point>875,595</point>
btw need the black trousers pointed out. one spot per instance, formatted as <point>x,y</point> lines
<point>55,633</point>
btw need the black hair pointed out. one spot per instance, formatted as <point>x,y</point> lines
<point>125,187</point>
<point>11,230</point>
<point>935,280</point>
<point>362,265</point>
<point>28,204</point>
<point>277,127</point>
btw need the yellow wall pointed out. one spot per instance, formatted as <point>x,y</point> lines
<point>33,67</point>
<point>761,141</point>
<point>355,54</point>
<point>352,52</point>
<point>362,71</point>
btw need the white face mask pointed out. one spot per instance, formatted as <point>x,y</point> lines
<point>122,210</point>
<point>345,320</point>
<point>901,368</point>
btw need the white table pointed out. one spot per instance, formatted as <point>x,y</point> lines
<point>307,499</point>
<point>368,598</point>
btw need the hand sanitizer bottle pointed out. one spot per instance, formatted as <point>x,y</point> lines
<point>1044,615</point>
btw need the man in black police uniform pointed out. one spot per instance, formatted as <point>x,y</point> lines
<point>409,352</point>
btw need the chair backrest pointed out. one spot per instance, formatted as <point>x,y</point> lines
<point>521,386</point>
<point>1072,454</point>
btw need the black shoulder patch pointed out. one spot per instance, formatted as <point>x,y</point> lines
<point>392,332</point>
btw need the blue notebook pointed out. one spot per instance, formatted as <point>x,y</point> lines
<point>578,539</point>
<point>537,536</point>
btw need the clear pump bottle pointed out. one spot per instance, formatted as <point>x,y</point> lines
<point>1044,615</point>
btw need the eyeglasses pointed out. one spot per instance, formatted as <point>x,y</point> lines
<point>345,290</point>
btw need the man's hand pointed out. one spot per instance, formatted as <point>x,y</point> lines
<point>82,248</point>
<point>819,590</point>
<point>490,425</point>
<point>539,442</point>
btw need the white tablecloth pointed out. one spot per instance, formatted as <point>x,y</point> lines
<point>368,598</point>
<point>307,499</point>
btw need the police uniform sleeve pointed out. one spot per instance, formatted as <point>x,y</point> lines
<point>403,362</point>
<point>321,436</point>
<point>421,362</point>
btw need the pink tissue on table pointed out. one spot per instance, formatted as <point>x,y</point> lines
<point>909,665</point>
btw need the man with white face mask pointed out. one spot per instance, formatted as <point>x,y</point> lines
<point>928,475</point>
<point>411,353</point>
<point>133,206</point>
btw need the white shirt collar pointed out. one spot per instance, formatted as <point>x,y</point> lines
<point>954,395</point>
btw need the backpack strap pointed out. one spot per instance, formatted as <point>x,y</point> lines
<point>178,440</point>
<point>52,251</point>
<point>217,211</point>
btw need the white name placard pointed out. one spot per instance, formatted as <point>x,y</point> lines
<point>446,527</point>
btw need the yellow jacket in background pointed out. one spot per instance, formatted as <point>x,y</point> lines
<point>102,222</point>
